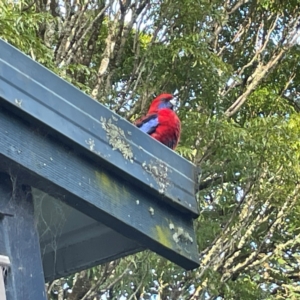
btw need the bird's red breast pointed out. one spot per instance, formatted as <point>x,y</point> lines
<point>168,130</point>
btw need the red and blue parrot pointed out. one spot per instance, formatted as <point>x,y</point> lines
<point>161,122</point>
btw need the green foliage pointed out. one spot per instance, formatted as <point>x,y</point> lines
<point>20,29</point>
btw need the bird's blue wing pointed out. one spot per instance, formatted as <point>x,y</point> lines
<point>148,124</point>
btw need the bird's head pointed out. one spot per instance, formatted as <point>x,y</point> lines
<point>162,101</point>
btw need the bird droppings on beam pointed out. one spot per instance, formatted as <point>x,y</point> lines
<point>151,211</point>
<point>18,102</point>
<point>181,235</point>
<point>159,171</point>
<point>171,226</point>
<point>116,138</point>
<point>91,143</point>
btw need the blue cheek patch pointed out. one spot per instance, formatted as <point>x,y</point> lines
<point>164,104</point>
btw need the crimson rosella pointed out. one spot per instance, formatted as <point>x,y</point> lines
<point>161,122</point>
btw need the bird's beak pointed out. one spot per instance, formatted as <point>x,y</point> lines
<point>173,102</point>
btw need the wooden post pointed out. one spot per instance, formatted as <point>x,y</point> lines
<point>19,241</point>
